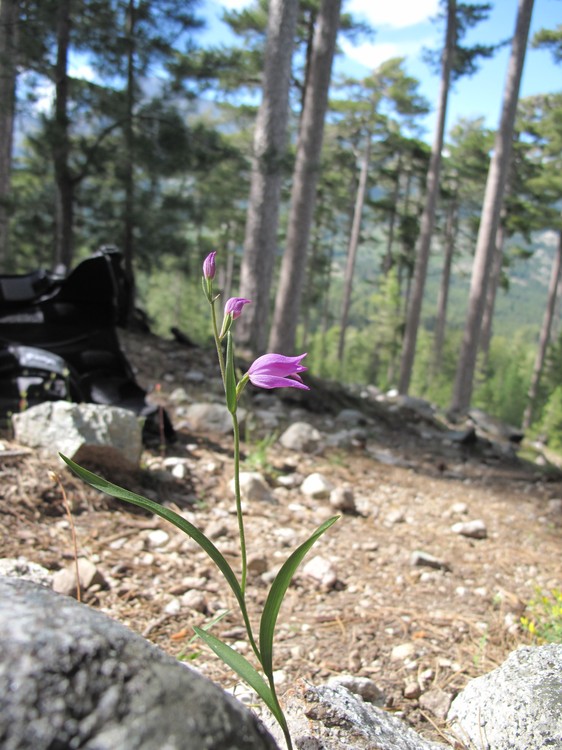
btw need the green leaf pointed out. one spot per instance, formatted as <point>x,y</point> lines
<point>169,515</point>
<point>245,670</point>
<point>277,593</point>
<point>230,376</point>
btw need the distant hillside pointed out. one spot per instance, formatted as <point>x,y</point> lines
<point>521,305</point>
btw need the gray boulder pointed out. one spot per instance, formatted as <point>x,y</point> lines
<point>70,677</point>
<point>331,717</point>
<point>74,429</point>
<point>518,706</point>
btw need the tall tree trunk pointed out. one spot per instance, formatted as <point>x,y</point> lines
<point>485,338</point>
<point>128,219</point>
<point>64,198</point>
<point>354,244</point>
<point>305,178</point>
<point>491,293</point>
<point>270,138</point>
<point>443,299</point>
<point>9,16</point>
<point>388,261</point>
<point>544,335</point>
<point>495,185</point>
<point>428,216</point>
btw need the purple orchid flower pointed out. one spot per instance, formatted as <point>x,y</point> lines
<point>209,267</point>
<point>234,306</point>
<point>277,371</point>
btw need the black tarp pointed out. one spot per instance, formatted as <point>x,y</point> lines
<point>58,339</point>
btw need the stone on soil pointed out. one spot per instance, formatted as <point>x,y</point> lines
<point>317,486</point>
<point>333,718</point>
<point>64,580</point>
<point>254,488</point>
<point>301,436</point>
<point>61,427</point>
<point>321,571</point>
<point>72,677</point>
<point>473,529</point>
<point>517,706</point>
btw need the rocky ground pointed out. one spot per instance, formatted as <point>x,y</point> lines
<point>418,625</point>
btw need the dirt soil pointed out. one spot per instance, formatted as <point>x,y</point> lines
<point>410,486</point>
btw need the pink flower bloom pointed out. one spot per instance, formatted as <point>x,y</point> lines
<point>234,306</point>
<point>277,371</point>
<point>209,268</point>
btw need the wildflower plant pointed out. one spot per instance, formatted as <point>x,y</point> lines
<point>268,371</point>
<point>545,620</point>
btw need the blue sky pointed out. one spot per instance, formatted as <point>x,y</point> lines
<point>404,27</point>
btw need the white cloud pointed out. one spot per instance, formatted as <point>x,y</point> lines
<point>372,55</point>
<point>235,4</point>
<point>396,14</point>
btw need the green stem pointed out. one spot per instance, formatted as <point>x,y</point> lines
<point>239,514</point>
<point>282,724</point>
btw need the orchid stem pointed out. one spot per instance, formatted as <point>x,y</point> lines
<point>239,514</point>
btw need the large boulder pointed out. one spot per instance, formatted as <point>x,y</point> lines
<point>331,717</point>
<point>78,429</point>
<point>517,706</point>
<point>72,677</point>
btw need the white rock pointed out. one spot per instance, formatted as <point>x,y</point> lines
<point>64,580</point>
<point>179,471</point>
<point>179,396</point>
<point>216,528</point>
<point>317,485</point>
<point>342,499</point>
<point>398,515</point>
<point>173,607</point>
<point>157,538</point>
<point>322,571</point>
<point>436,702</point>
<point>301,436</point>
<point>195,600</point>
<point>286,535</point>
<point>516,706</point>
<point>20,567</point>
<point>60,426</point>
<point>403,651</point>
<point>254,488</point>
<point>474,529</point>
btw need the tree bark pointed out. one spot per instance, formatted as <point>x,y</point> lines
<point>128,218</point>
<point>287,306</point>
<point>270,139</point>
<point>428,216</point>
<point>495,185</point>
<point>443,299</point>
<point>354,244</point>
<point>544,337</point>
<point>9,15</point>
<point>64,198</point>
<point>491,292</point>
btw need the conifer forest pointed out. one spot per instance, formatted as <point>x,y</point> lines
<point>428,263</point>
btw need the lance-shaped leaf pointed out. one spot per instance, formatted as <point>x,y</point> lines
<point>277,593</point>
<point>246,671</point>
<point>169,515</point>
